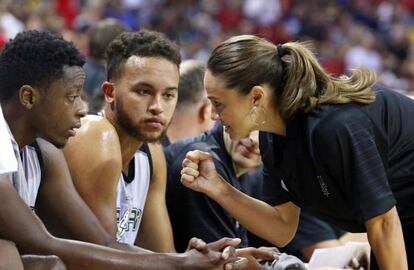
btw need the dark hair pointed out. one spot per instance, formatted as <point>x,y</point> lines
<point>102,34</point>
<point>292,71</point>
<point>191,87</point>
<point>35,58</point>
<point>143,43</point>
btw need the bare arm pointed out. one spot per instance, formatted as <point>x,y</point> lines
<point>62,209</point>
<point>9,255</point>
<point>256,216</point>
<point>59,198</point>
<point>95,163</point>
<point>35,262</point>
<point>155,232</point>
<point>386,239</point>
<point>20,225</point>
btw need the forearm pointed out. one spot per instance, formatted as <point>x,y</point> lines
<point>386,239</point>
<point>126,247</point>
<point>156,242</point>
<point>82,256</point>
<point>9,255</point>
<point>155,232</point>
<point>258,216</point>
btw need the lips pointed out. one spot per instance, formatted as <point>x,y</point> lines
<point>247,151</point>
<point>154,122</point>
<point>72,131</point>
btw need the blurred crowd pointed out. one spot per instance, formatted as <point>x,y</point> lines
<point>376,34</point>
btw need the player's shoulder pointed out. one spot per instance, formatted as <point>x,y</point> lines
<point>94,126</point>
<point>97,140</point>
<point>154,150</point>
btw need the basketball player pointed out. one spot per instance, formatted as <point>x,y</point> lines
<point>116,167</point>
<point>8,164</point>
<point>40,83</point>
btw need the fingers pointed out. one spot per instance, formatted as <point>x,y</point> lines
<point>240,263</point>
<point>219,245</point>
<point>274,249</point>
<point>353,264</point>
<point>264,253</point>
<point>197,155</point>
<point>187,181</point>
<point>190,170</point>
<point>228,252</point>
<point>197,243</point>
<point>271,251</point>
<point>357,265</point>
<point>188,163</point>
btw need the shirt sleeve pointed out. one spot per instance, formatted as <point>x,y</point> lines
<point>347,149</point>
<point>312,230</point>
<point>273,192</point>
<point>8,162</point>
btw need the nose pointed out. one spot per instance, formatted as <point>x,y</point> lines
<point>155,107</point>
<point>214,115</point>
<point>254,137</point>
<point>82,109</point>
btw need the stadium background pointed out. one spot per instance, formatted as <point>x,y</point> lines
<point>377,34</point>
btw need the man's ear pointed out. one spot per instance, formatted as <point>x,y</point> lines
<point>28,96</point>
<point>108,89</point>
<point>204,111</point>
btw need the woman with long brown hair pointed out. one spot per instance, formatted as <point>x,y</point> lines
<point>341,147</point>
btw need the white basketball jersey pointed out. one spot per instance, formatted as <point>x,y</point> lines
<point>131,197</point>
<point>8,162</point>
<point>33,173</point>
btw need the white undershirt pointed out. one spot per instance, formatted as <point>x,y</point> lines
<point>8,162</point>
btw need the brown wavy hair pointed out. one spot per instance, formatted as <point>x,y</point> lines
<point>298,80</point>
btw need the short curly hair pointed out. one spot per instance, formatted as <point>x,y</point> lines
<point>35,58</point>
<point>143,43</point>
<point>102,34</point>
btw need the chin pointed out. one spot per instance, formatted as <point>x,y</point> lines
<point>246,163</point>
<point>59,145</point>
<point>150,138</point>
<point>236,136</point>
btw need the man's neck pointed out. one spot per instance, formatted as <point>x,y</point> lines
<point>129,145</point>
<point>19,125</point>
<point>183,125</point>
<point>240,170</point>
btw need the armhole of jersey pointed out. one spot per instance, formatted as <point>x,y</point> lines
<point>144,148</point>
<point>40,158</point>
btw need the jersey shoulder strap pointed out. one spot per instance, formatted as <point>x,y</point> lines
<point>145,148</point>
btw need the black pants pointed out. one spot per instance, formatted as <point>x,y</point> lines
<point>408,232</point>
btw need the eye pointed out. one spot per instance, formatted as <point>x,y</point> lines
<point>216,104</point>
<point>169,95</point>
<point>72,98</point>
<point>144,92</point>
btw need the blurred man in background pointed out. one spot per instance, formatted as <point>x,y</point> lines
<point>192,115</point>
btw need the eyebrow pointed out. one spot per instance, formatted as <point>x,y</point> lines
<point>145,84</point>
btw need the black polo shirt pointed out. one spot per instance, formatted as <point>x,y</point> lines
<point>345,163</point>
<point>192,213</point>
<point>195,214</point>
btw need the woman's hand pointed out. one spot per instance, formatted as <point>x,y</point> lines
<point>199,173</point>
<point>254,254</point>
